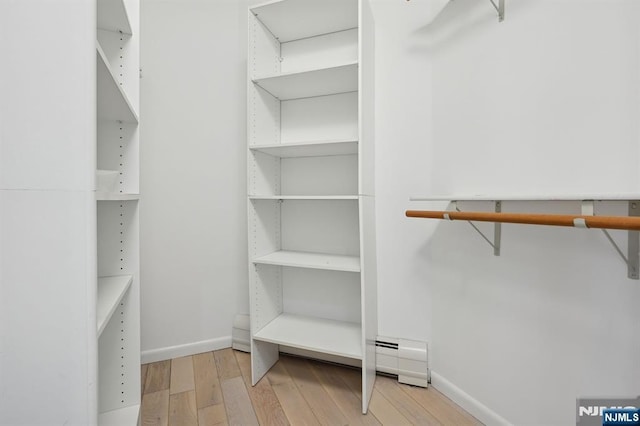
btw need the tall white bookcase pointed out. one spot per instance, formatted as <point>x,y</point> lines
<point>117,198</point>
<point>312,256</point>
<point>69,245</point>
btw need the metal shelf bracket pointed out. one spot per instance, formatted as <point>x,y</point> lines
<point>499,8</point>
<point>587,220</point>
<point>633,245</point>
<point>632,259</point>
<point>497,229</point>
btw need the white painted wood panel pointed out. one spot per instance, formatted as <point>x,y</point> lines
<point>264,49</point>
<point>47,306</point>
<point>263,121</point>
<point>366,102</point>
<point>314,334</point>
<point>369,295</point>
<point>264,173</point>
<point>47,95</point>
<point>264,219</point>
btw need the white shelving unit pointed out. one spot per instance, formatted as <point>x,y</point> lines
<point>117,196</point>
<point>310,182</point>
<point>69,191</point>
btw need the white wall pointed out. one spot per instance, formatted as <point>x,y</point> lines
<point>545,102</point>
<point>193,184</point>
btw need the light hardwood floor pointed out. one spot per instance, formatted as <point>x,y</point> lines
<point>214,388</point>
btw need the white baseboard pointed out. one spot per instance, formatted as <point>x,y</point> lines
<point>466,401</point>
<point>162,354</point>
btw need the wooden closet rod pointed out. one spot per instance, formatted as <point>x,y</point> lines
<point>599,222</point>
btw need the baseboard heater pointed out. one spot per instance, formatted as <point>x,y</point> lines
<point>404,358</point>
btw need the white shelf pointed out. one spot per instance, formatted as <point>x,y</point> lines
<point>113,102</point>
<point>112,196</point>
<point>303,197</point>
<point>315,334</point>
<point>127,416</point>
<point>110,293</point>
<point>306,84</point>
<point>527,197</point>
<point>293,19</point>
<point>309,149</point>
<point>308,260</point>
<point>113,16</point>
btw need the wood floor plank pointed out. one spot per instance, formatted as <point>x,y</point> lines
<point>441,407</point>
<point>353,379</point>
<point>322,405</point>
<point>155,409</point>
<point>379,406</point>
<point>390,389</point>
<point>143,376</point>
<point>182,375</point>
<point>294,405</point>
<point>226,364</point>
<point>264,400</point>
<point>213,415</point>
<point>182,409</point>
<point>385,411</point>
<point>237,402</point>
<point>208,391</point>
<point>278,374</point>
<point>294,391</point>
<point>350,404</point>
<point>158,376</point>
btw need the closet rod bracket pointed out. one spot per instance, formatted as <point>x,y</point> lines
<point>499,8</point>
<point>633,244</point>
<point>497,228</point>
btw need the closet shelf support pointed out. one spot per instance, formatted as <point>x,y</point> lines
<point>497,229</point>
<point>630,223</point>
<point>633,244</point>
<point>499,8</point>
